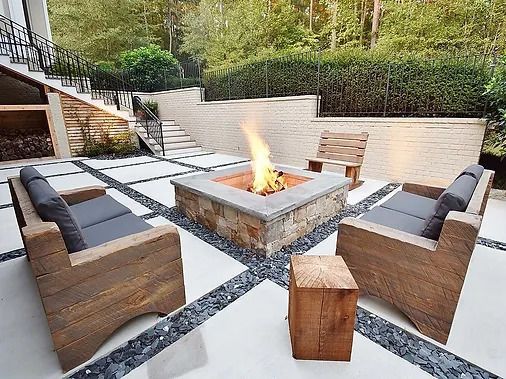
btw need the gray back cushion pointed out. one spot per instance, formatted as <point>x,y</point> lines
<point>27,174</point>
<point>455,198</point>
<point>475,170</point>
<point>52,208</point>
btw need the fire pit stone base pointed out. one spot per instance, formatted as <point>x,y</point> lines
<point>262,223</point>
<point>247,231</point>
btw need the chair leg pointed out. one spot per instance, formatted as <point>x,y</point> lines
<point>315,166</point>
<point>353,173</point>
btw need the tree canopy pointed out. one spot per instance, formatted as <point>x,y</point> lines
<point>223,32</point>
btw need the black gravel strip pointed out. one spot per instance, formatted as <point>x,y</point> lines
<point>4,257</point>
<point>39,164</point>
<point>432,359</point>
<point>498,245</point>
<point>6,206</point>
<point>55,175</point>
<point>160,177</point>
<point>167,331</point>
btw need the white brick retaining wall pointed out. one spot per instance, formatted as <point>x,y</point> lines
<point>431,150</point>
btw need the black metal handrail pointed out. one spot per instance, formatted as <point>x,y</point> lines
<point>40,54</point>
<point>149,121</point>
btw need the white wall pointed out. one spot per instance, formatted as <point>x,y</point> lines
<point>431,150</point>
<point>37,10</point>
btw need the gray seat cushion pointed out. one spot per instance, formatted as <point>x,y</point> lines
<point>27,174</point>
<point>98,210</point>
<point>455,198</point>
<point>411,204</point>
<point>395,220</point>
<point>475,170</point>
<point>52,208</point>
<point>113,229</point>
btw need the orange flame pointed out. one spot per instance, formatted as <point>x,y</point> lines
<point>266,179</point>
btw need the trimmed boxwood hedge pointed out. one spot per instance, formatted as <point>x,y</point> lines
<point>362,84</point>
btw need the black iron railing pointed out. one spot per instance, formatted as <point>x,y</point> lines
<point>40,54</point>
<point>182,75</point>
<point>362,85</point>
<point>149,121</point>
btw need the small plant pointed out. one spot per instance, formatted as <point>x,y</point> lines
<point>152,106</point>
<point>105,143</point>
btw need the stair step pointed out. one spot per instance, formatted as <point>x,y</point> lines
<point>168,122</point>
<point>174,133</point>
<point>179,145</point>
<point>167,140</point>
<point>197,149</point>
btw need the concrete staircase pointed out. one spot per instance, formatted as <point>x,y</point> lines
<point>73,90</point>
<point>175,140</point>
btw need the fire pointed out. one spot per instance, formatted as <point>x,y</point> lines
<point>266,179</point>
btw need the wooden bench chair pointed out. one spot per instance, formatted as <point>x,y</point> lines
<point>341,149</point>
<point>87,295</point>
<point>422,277</point>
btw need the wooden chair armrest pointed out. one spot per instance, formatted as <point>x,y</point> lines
<point>129,247</point>
<point>373,237</point>
<point>423,190</point>
<point>78,195</point>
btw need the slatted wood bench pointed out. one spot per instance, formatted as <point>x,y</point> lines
<point>341,149</point>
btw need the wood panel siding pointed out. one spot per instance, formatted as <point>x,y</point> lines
<point>80,116</point>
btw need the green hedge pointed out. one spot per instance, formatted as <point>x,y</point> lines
<point>362,84</point>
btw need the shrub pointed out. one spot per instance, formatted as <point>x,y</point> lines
<point>358,83</point>
<point>104,143</point>
<point>152,106</point>
<point>149,67</point>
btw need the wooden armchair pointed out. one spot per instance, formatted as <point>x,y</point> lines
<point>421,277</point>
<point>89,294</point>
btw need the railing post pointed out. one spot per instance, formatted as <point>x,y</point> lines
<point>229,93</point>
<point>200,79</point>
<point>180,76</point>
<point>318,86</point>
<point>386,92</point>
<point>266,78</point>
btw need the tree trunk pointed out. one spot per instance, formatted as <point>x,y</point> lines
<point>376,14</point>
<point>362,21</point>
<point>333,40</point>
<point>310,15</point>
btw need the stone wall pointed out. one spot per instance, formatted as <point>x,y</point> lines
<point>15,91</point>
<point>264,237</point>
<point>430,150</point>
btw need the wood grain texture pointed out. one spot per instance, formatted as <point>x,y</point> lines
<point>423,190</point>
<point>78,114</point>
<point>78,195</point>
<point>341,149</point>
<point>421,277</point>
<point>89,294</point>
<point>322,305</point>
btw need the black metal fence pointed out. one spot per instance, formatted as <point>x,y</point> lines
<point>149,121</point>
<point>183,75</point>
<point>363,85</point>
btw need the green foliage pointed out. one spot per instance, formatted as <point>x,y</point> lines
<point>149,67</point>
<point>496,92</point>
<point>222,32</point>
<point>104,143</point>
<point>354,83</point>
<point>98,29</point>
<point>152,106</point>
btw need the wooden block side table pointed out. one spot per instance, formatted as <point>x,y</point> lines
<point>321,308</point>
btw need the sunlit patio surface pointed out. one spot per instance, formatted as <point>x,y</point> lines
<point>234,322</point>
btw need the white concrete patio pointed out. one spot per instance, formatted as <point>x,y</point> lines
<point>248,338</point>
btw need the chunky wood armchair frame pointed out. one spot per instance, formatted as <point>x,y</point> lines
<point>421,277</point>
<point>89,294</point>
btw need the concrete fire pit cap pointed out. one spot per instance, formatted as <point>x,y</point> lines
<point>265,208</point>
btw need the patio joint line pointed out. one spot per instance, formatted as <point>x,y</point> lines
<point>53,175</point>
<point>494,244</point>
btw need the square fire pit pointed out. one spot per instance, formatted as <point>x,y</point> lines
<point>219,200</point>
